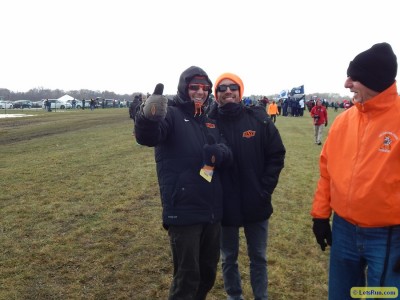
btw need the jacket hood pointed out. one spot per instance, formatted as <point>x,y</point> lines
<point>184,80</point>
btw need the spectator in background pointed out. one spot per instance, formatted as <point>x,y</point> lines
<point>247,101</point>
<point>92,104</point>
<point>336,105</point>
<point>279,104</point>
<point>48,104</point>
<point>83,103</point>
<point>320,118</point>
<point>133,108</point>
<point>263,102</point>
<point>325,103</point>
<point>310,104</point>
<point>302,107</point>
<point>360,180</point>
<point>272,110</point>
<point>290,105</point>
<point>295,107</point>
<point>285,104</point>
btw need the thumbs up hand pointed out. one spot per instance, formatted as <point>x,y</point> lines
<point>155,107</point>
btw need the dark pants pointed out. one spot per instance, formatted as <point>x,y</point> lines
<point>195,252</point>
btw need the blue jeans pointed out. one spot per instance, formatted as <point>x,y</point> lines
<point>359,255</point>
<point>256,238</point>
<point>195,253</point>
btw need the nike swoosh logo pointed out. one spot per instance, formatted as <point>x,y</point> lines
<point>186,120</point>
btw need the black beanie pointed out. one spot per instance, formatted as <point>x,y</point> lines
<point>376,68</point>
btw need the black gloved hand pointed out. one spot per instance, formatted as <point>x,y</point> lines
<point>322,232</point>
<point>326,123</point>
<point>396,267</point>
<point>155,107</point>
<point>212,152</point>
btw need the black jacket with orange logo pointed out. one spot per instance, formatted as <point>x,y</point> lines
<point>258,154</point>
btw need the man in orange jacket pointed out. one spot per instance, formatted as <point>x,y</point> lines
<point>272,110</point>
<point>360,180</point>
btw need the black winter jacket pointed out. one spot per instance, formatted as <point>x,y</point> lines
<point>186,197</point>
<point>134,107</point>
<point>258,155</point>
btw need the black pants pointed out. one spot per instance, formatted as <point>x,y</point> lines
<point>195,252</point>
<point>273,118</point>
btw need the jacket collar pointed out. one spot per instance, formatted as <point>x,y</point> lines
<point>380,102</point>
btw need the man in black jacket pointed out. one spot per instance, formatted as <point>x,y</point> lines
<point>259,155</point>
<point>134,107</point>
<point>185,146</point>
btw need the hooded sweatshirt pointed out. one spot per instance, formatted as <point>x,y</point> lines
<point>187,198</point>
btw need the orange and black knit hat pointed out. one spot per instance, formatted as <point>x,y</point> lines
<point>236,79</point>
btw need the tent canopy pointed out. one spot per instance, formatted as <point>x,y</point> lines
<point>66,98</point>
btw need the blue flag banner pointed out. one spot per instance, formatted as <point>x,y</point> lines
<point>283,94</point>
<point>297,90</point>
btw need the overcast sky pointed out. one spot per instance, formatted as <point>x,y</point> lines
<point>128,46</point>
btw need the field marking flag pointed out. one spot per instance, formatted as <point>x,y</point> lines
<point>297,90</point>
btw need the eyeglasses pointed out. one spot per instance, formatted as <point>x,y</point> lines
<point>197,86</point>
<point>223,87</point>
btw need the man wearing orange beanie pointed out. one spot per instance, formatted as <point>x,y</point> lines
<point>259,155</point>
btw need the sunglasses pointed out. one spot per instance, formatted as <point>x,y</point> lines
<point>197,86</point>
<point>223,87</point>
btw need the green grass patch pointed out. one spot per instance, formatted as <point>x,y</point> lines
<point>80,213</point>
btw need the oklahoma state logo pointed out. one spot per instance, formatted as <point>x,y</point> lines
<point>387,143</point>
<point>153,109</point>
<point>388,139</point>
<point>249,134</point>
<point>210,125</point>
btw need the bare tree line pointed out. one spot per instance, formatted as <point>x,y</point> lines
<point>37,94</point>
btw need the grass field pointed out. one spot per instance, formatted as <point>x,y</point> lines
<point>80,214</point>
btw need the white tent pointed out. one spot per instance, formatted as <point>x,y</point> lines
<point>65,98</point>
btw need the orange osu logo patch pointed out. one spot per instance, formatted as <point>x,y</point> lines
<point>249,133</point>
<point>153,109</point>
<point>387,143</point>
<point>210,125</point>
<point>388,140</point>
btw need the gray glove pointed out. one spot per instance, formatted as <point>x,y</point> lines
<point>155,107</point>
